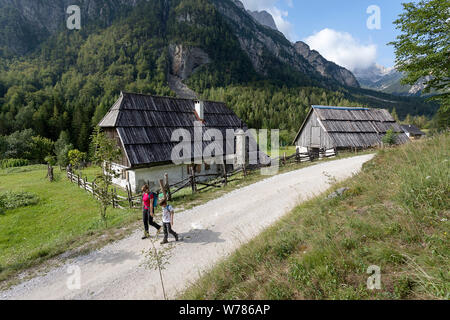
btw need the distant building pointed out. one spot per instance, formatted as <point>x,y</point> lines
<point>412,131</point>
<point>143,125</point>
<point>328,127</point>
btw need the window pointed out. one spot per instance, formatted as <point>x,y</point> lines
<point>197,168</point>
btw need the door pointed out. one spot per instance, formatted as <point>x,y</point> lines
<point>315,136</point>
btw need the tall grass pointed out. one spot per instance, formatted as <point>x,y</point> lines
<point>394,215</point>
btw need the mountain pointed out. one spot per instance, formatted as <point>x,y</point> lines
<point>53,79</point>
<point>326,68</point>
<point>387,80</point>
<point>24,24</point>
<point>264,18</point>
<point>256,39</point>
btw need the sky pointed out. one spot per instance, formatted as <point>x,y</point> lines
<point>339,29</point>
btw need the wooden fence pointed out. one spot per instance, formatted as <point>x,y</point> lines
<point>196,182</point>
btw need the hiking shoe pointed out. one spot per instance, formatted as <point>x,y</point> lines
<point>164,242</point>
<point>176,238</point>
<point>146,235</point>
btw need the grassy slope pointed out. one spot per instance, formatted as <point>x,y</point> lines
<point>395,215</point>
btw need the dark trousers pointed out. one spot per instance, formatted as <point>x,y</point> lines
<point>148,220</point>
<point>167,230</point>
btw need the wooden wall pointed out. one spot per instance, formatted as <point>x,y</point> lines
<point>313,135</point>
<point>112,134</point>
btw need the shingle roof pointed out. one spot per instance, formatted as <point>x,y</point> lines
<point>412,129</point>
<point>356,127</point>
<point>145,124</point>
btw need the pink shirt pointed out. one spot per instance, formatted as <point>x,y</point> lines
<point>146,198</point>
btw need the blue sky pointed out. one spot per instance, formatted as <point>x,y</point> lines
<point>337,28</point>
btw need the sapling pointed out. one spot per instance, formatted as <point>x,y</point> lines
<point>105,151</point>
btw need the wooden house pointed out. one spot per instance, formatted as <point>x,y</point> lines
<point>412,132</point>
<point>337,128</point>
<point>143,125</point>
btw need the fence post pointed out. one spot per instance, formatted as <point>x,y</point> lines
<point>114,197</point>
<point>297,155</point>
<point>225,175</point>
<point>163,188</point>
<point>167,186</point>
<point>284,158</point>
<point>194,188</point>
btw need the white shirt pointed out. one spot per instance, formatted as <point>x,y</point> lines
<point>166,214</point>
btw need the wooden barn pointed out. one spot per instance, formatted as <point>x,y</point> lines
<point>413,132</point>
<point>337,128</point>
<point>143,125</point>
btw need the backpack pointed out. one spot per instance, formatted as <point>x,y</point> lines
<point>155,199</point>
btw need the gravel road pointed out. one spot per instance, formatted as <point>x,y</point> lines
<point>211,232</point>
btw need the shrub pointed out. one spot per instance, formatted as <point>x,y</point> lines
<point>390,137</point>
<point>14,199</point>
<point>13,163</point>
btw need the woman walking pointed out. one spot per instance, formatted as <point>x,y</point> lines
<point>148,211</point>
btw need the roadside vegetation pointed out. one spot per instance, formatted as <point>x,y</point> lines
<point>394,215</point>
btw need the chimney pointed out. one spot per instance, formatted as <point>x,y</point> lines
<point>200,109</point>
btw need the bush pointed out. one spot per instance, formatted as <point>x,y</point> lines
<point>390,137</point>
<point>13,163</point>
<point>14,199</point>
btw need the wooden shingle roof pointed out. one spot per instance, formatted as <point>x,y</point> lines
<point>412,129</point>
<point>356,127</point>
<point>145,124</point>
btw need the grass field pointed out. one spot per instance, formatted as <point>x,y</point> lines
<point>66,218</point>
<point>394,215</point>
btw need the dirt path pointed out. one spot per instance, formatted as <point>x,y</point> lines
<point>211,231</point>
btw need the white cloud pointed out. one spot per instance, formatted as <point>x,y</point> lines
<point>278,15</point>
<point>343,49</point>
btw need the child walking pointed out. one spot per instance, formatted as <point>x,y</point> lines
<point>167,220</point>
<point>148,211</point>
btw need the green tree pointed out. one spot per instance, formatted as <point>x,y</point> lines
<point>76,158</point>
<point>19,145</point>
<point>423,49</point>
<point>395,115</point>
<point>106,152</point>
<point>390,137</point>
<point>41,148</point>
<point>62,148</point>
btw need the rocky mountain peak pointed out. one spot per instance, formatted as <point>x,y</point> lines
<point>324,67</point>
<point>264,18</point>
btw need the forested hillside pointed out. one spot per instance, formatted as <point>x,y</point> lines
<point>70,80</point>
